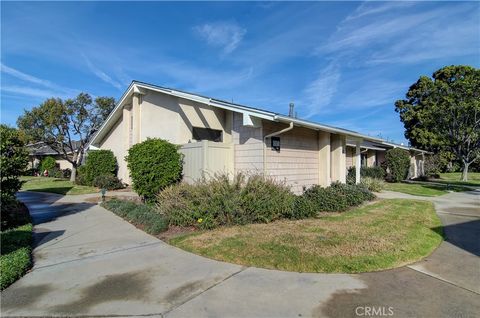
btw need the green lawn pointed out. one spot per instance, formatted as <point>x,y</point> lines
<point>456,177</point>
<point>15,254</point>
<point>55,185</point>
<point>423,189</point>
<point>382,235</point>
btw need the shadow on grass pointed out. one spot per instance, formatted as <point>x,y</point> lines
<point>13,240</point>
<point>58,190</point>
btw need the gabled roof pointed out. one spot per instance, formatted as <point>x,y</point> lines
<point>42,149</point>
<point>139,87</point>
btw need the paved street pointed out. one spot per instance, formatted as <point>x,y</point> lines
<point>89,262</point>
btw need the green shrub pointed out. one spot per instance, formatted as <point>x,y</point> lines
<point>15,254</point>
<point>98,163</point>
<point>108,182</point>
<point>303,208</point>
<point>154,164</point>
<point>265,200</point>
<point>221,201</point>
<point>372,184</point>
<point>140,215</point>
<point>49,164</point>
<point>375,172</point>
<point>81,172</point>
<point>14,214</point>
<point>325,199</point>
<point>207,204</point>
<point>13,162</point>
<point>178,204</point>
<point>337,197</point>
<point>397,162</point>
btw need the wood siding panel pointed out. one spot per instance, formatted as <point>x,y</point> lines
<point>248,147</point>
<point>297,162</point>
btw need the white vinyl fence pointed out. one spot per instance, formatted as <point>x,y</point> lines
<point>205,158</point>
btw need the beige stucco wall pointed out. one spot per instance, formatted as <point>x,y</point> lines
<point>63,164</point>
<point>115,141</point>
<point>297,162</point>
<point>248,147</point>
<point>172,118</point>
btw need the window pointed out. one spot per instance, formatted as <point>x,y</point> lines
<point>206,134</point>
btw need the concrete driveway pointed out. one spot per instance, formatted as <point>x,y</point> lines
<point>89,262</point>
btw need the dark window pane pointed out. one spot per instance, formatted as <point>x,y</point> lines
<point>207,134</point>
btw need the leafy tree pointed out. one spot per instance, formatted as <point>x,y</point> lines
<point>13,161</point>
<point>66,125</point>
<point>443,113</point>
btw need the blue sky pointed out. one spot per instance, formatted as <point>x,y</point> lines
<point>341,63</point>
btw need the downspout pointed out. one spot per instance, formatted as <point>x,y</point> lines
<point>290,127</point>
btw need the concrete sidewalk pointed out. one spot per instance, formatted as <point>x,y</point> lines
<point>89,262</point>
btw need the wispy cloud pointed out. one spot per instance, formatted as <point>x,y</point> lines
<point>392,30</point>
<point>319,93</point>
<point>49,88</point>
<point>23,76</point>
<point>101,74</point>
<point>29,91</point>
<point>375,7</point>
<point>225,35</point>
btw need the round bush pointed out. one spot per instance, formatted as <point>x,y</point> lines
<point>397,162</point>
<point>49,164</point>
<point>154,164</point>
<point>98,163</point>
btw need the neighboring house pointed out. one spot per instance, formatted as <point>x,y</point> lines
<point>39,150</point>
<point>373,154</point>
<point>219,136</point>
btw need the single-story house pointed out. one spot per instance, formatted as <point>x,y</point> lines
<point>373,154</point>
<point>39,150</point>
<point>219,136</point>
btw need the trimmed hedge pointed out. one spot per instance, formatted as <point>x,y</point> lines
<point>154,165</point>
<point>15,257</point>
<point>397,162</point>
<point>141,215</point>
